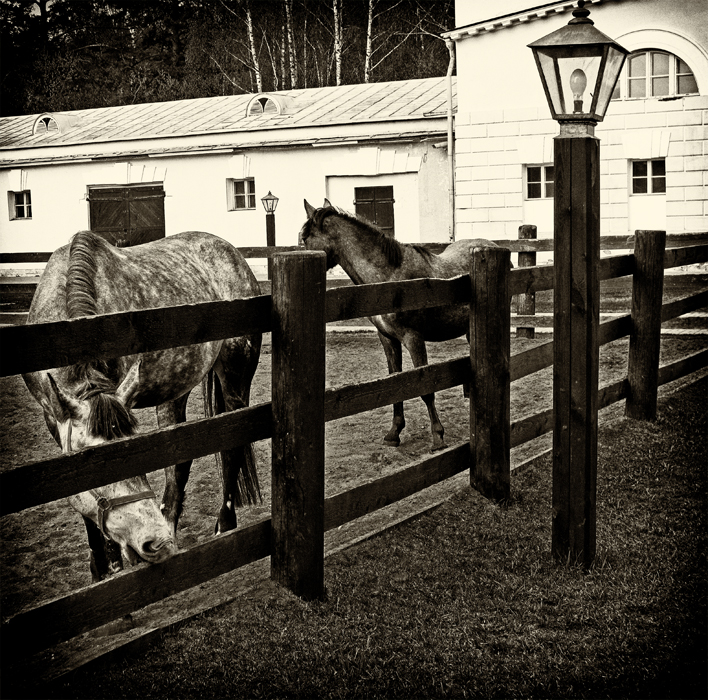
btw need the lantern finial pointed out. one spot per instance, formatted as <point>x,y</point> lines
<point>581,15</point>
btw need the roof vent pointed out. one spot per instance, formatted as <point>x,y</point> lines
<point>269,105</point>
<point>53,123</point>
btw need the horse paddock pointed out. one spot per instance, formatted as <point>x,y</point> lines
<point>43,549</point>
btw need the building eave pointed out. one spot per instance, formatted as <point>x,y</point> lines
<point>514,18</point>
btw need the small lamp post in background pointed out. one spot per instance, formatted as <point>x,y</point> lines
<point>270,202</point>
<point>579,67</point>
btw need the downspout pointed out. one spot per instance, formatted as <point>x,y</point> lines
<point>450,140</point>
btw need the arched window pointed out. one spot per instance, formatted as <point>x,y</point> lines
<point>655,73</point>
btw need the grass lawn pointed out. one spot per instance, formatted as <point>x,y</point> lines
<point>466,601</point>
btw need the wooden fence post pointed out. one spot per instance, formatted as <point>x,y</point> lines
<point>298,384</point>
<point>645,339</point>
<point>576,350</point>
<point>490,324</point>
<point>526,303</point>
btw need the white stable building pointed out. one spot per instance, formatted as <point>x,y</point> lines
<point>143,171</point>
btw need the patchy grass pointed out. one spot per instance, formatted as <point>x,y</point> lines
<point>467,601</point>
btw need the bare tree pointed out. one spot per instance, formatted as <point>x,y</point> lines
<point>337,8</point>
<point>252,45</point>
<point>291,42</point>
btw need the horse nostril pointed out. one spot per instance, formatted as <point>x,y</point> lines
<point>150,547</point>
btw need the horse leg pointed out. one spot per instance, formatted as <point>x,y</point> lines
<point>419,356</point>
<point>394,359</point>
<point>106,558</point>
<point>176,476</point>
<point>234,370</point>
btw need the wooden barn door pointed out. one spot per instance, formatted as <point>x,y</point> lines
<point>375,204</point>
<point>128,216</point>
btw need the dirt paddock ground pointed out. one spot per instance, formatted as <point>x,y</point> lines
<point>43,551</point>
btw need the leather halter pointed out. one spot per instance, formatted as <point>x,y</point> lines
<point>104,504</point>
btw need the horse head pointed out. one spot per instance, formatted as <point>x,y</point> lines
<point>95,413</point>
<point>315,234</point>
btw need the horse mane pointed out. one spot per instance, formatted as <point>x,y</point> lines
<point>108,417</point>
<point>392,249</point>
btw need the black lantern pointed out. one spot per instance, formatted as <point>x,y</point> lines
<point>270,202</point>
<point>579,67</point>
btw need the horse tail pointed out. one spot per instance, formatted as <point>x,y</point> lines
<point>247,488</point>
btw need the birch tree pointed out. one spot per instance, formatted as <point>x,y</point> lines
<point>291,43</point>
<point>337,8</point>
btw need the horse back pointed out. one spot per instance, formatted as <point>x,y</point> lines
<point>187,268</point>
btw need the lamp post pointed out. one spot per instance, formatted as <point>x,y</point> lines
<point>579,67</point>
<point>270,202</point>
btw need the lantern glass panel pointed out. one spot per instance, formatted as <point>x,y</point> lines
<point>549,69</point>
<point>578,88</point>
<point>613,66</point>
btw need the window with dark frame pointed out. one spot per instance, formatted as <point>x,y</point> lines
<point>655,74</point>
<point>20,205</point>
<point>375,204</point>
<point>649,176</point>
<point>242,194</point>
<point>540,183</point>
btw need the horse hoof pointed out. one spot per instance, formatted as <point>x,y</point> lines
<point>437,448</point>
<point>392,443</point>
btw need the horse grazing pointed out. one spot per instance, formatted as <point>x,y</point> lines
<point>368,255</point>
<point>90,403</point>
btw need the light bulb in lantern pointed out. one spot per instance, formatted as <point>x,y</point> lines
<point>578,83</point>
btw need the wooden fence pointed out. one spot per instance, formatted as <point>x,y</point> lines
<point>296,313</point>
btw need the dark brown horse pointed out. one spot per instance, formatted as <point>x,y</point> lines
<point>368,255</point>
<point>91,403</point>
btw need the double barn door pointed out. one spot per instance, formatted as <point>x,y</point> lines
<point>128,216</point>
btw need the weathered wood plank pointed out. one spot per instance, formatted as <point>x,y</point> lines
<point>64,475</point>
<point>677,308</point>
<point>530,279</point>
<point>354,503</point>
<point>526,302</point>
<point>298,444</point>
<point>490,403</point>
<point>530,361</point>
<point>686,256</point>
<point>616,266</point>
<point>645,338</point>
<point>67,616</point>
<point>401,386</point>
<point>48,345</point>
<point>576,347</point>
<point>387,297</point>
<point>681,368</point>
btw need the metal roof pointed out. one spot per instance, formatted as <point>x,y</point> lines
<point>314,107</point>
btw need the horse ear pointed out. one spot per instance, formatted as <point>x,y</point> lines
<point>60,409</point>
<point>309,209</point>
<point>62,405</point>
<point>128,389</point>
<point>327,203</point>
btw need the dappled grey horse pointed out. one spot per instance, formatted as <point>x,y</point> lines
<point>90,403</point>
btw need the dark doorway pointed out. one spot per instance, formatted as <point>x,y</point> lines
<point>375,204</point>
<point>128,215</point>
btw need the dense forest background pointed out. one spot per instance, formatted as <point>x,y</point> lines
<point>76,54</point>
